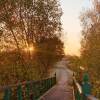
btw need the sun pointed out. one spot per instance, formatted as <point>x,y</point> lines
<point>30,49</point>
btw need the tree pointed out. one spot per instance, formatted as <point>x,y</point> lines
<point>31,23</point>
<point>48,52</point>
<point>27,21</point>
<point>90,51</point>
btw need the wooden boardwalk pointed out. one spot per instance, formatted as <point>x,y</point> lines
<point>59,92</point>
<point>63,89</point>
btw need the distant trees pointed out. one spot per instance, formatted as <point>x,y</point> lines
<point>91,41</point>
<point>74,62</point>
<point>32,23</point>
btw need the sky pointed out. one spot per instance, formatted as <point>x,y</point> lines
<point>71,24</point>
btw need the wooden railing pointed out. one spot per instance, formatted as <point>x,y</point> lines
<point>77,90</point>
<point>79,94</point>
<point>29,90</point>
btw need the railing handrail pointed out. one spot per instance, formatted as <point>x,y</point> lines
<point>78,86</point>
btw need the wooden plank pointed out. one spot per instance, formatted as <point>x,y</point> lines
<point>59,92</point>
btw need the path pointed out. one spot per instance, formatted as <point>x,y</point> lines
<point>63,89</point>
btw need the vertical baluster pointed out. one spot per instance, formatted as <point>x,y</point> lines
<point>7,94</point>
<point>78,95</point>
<point>28,90</point>
<point>50,83</point>
<point>34,90</point>
<point>19,92</point>
<point>45,84</point>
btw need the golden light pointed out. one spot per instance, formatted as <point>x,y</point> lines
<point>30,49</point>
